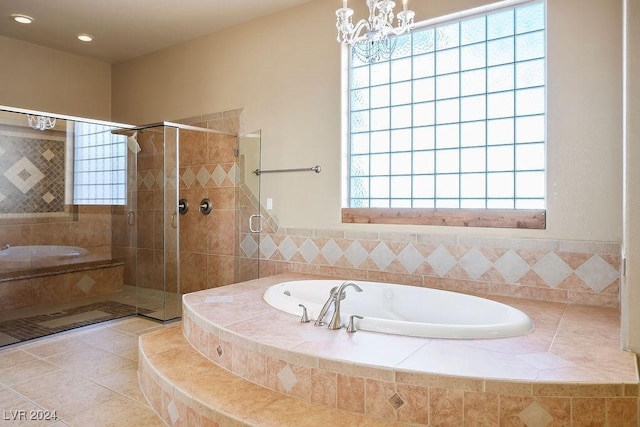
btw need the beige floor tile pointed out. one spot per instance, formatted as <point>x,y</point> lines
<point>125,345</point>
<point>55,382</point>
<point>16,410</point>
<point>116,412</point>
<point>11,358</point>
<point>99,335</point>
<point>135,325</point>
<point>89,377</point>
<point>53,346</point>
<point>79,393</point>
<point>91,362</point>
<point>19,373</point>
<point>126,383</point>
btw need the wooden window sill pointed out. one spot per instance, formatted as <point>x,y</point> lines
<point>490,218</point>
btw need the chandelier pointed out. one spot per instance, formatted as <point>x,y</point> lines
<point>370,38</point>
<point>41,122</point>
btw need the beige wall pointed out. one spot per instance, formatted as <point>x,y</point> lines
<point>284,70</point>
<point>39,78</point>
<point>631,281</point>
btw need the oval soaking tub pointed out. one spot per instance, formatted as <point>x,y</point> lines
<point>21,257</point>
<point>405,310</point>
<point>17,253</point>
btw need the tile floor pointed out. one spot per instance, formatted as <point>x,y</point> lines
<point>86,377</point>
<point>158,305</point>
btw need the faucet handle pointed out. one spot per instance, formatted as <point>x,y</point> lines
<point>352,324</point>
<point>305,317</point>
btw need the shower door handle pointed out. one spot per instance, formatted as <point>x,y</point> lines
<point>251,218</point>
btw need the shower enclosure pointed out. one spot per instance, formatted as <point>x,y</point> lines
<point>101,220</point>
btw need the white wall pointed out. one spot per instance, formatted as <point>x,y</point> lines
<point>39,78</point>
<point>285,71</point>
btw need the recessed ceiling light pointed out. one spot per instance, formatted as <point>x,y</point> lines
<point>85,37</point>
<point>23,19</point>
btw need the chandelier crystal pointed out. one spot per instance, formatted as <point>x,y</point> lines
<point>41,122</point>
<point>370,38</point>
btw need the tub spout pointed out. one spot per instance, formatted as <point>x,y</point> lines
<point>340,295</point>
<point>4,247</point>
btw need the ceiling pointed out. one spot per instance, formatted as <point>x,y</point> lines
<point>124,29</point>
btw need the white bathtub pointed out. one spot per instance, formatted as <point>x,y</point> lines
<point>23,257</point>
<point>405,310</point>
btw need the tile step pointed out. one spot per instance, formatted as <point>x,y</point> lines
<point>185,388</point>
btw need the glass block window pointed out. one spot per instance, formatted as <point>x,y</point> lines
<point>455,118</point>
<point>99,176</point>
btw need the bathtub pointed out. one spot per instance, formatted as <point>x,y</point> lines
<point>28,257</point>
<point>405,310</point>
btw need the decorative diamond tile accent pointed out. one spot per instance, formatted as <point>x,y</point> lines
<point>411,258</point>
<point>441,260</point>
<point>218,175</point>
<point>249,245</point>
<point>2,197</point>
<point>149,179</point>
<point>85,284</point>
<point>309,250</point>
<point>356,254</point>
<point>203,176</point>
<point>234,174</point>
<point>48,155</point>
<point>140,180</point>
<point>287,378</point>
<point>173,412</point>
<point>24,175</point>
<point>597,273</point>
<point>268,247</point>
<point>475,263</point>
<point>287,248</point>
<point>331,252</point>
<point>219,351</point>
<point>188,177</point>
<point>511,266</point>
<point>171,180</point>
<point>382,256</point>
<point>552,269</point>
<point>396,401</point>
<point>160,180</point>
<point>48,197</point>
<point>535,415</point>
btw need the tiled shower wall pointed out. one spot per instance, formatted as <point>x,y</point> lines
<point>552,270</point>
<point>208,244</point>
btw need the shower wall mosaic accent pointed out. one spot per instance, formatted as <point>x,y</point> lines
<point>32,174</point>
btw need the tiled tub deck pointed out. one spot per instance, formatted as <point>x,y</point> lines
<point>569,371</point>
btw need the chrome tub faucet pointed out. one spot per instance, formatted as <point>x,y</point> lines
<point>339,296</point>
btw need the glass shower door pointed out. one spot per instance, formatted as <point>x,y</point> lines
<point>157,269</point>
<point>250,216</point>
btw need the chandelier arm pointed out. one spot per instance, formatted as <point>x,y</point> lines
<point>359,31</point>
